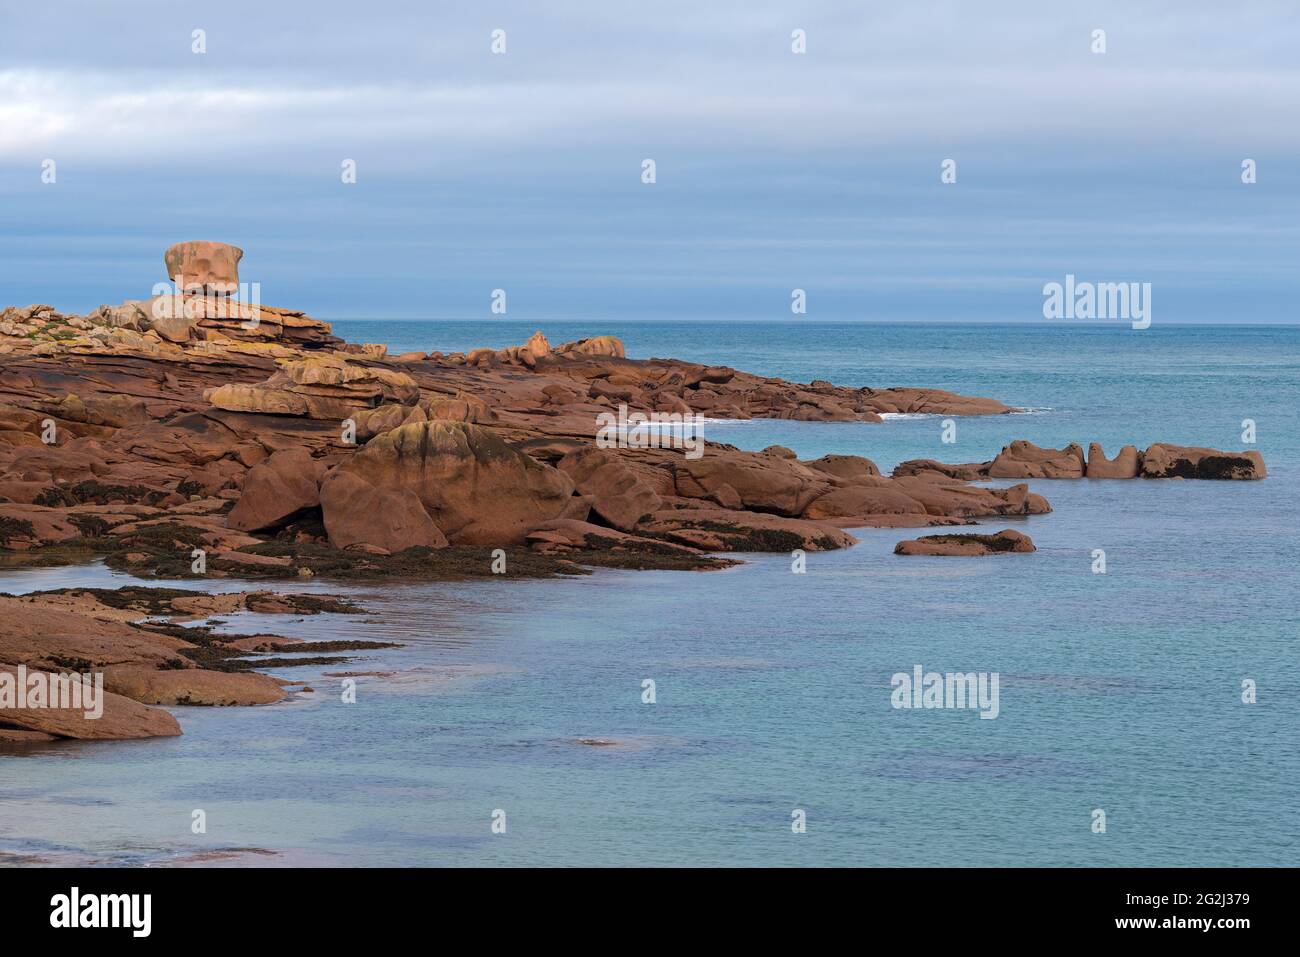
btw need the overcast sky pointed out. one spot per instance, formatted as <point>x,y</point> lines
<point>775,170</point>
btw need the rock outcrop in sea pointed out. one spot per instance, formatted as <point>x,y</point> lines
<point>199,434</point>
<point>1023,459</point>
<point>196,420</point>
<point>1005,542</point>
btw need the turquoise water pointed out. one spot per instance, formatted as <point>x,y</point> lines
<point>1118,691</point>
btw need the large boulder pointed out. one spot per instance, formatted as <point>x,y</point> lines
<point>851,468</point>
<point>1023,459</point>
<point>172,317</point>
<point>618,495</point>
<point>372,422</point>
<point>358,513</point>
<point>204,266</point>
<point>762,483</point>
<point>477,489</point>
<point>1124,465</point>
<point>537,347</point>
<point>1182,461</point>
<point>278,489</point>
<point>134,314</point>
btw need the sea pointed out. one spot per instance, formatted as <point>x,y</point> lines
<point>1148,707</point>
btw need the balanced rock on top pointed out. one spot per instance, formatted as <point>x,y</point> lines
<point>203,266</point>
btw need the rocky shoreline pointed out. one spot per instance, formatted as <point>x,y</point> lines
<point>138,639</point>
<point>197,436</point>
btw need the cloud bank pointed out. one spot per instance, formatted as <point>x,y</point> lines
<point>818,170</point>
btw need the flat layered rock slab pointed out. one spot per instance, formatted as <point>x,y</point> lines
<point>727,530</point>
<point>193,686</point>
<point>35,631</point>
<point>121,718</point>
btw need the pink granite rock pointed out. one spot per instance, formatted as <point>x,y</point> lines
<point>204,266</point>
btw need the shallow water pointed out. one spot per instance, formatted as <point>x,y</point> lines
<point>1118,691</point>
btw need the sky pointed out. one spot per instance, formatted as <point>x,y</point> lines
<point>774,170</point>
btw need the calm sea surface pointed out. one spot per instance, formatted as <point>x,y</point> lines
<point>1119,691</point>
